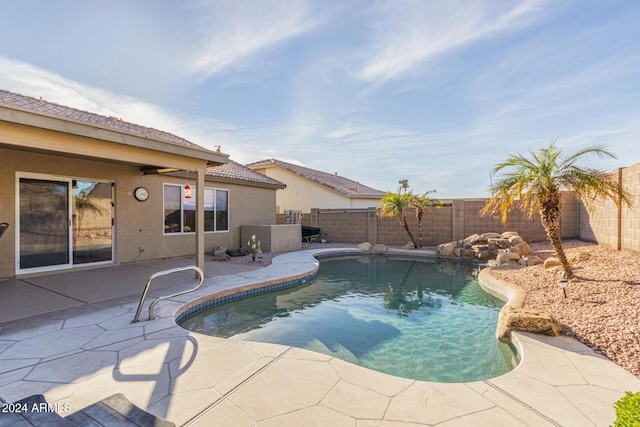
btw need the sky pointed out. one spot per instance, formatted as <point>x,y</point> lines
<point>434,91</point>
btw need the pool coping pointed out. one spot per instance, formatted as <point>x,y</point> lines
<point>79,356</point>
<point>525,344</point>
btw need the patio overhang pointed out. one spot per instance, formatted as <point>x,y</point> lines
<point>147,149</point>
<point>26,130</point>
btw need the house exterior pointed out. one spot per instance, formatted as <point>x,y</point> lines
<point>309,188</point>
<point>81,190</point>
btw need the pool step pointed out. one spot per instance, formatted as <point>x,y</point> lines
<point>338,351</point>
<point>343,353</point>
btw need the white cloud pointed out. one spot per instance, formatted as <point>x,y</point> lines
<point>406,35</point>
<point>29,80</point>
<point>235,31</point>
<point>32,81</point>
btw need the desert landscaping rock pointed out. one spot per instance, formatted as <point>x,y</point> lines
<point>530,260</point>
<point>507,258</point>
<point>520,248</point>
<point>446,249</point>
<point>409,246</point>
<point>486,247</point>
<point>521,319</point>
<point>552,262</point>
<point>602,306</point>
<point>364,247</point>
<point>379,249</point>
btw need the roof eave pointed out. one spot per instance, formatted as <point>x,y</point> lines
<point>52,122</point>
<point>244,182</point>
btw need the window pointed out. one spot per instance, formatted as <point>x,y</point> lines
<point>222,210</point>
<point>180,212</point>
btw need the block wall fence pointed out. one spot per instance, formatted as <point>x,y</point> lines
<point>459,218</point>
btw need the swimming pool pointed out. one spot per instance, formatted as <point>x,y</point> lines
<point>423,319</point>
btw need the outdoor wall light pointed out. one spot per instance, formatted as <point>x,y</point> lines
<point>563,284</point>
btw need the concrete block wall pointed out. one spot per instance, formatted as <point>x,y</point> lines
<point>606,225</point>
<point>340,225</point>
<point>273,238</point>
<point>630,226</point>
<point>454,221</point>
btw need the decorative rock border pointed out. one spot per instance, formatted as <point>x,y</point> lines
<point>513,315</point>
<point>504,248</point>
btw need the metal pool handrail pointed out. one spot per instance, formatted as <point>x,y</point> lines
<point>164,273</point>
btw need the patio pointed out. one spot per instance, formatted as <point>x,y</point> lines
<point>69,337</point>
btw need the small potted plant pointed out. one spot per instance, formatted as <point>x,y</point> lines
<point>254,245</point>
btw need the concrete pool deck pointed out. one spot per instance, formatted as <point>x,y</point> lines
<point>87,351</point>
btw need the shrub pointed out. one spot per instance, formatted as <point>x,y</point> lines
<point>628,411</point>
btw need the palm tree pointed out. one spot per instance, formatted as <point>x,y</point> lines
<point>396,204</point>
<point>421,203</point>
<point>534,185</point>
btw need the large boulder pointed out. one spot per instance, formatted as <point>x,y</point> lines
<point>514,240</point>
<point>522,248</point>
<point>486,254</point>
<point>379,249</point>
<point>364,247</point>
<point>508,234</point>
<point>239,252</point>
<point>219,250</point>
<point>465,253</point>
<point>521,319</point>
<point>484,237</point>
<point>552,262</point>
<point>446,249</point>
<point>222,257</point>
<point>498,243</point>
<point>409,246</point>
<point>471,240</point>
<point>530,260</point>
<point>579,257</point>
<point>507,258</point>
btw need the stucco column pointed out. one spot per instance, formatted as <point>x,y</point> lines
<point>200,173</point>
<point>372,225</point>
<point>457,220</point>
<point>314,217</point>
<point>619,219</point>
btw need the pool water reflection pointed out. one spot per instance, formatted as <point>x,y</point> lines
<point>420,319</point>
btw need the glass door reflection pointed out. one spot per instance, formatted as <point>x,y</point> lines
<point>44,223</point>
<point>92,222</point>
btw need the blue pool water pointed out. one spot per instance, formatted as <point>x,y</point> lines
<point>420,319</point>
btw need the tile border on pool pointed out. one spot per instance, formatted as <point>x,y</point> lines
<point>212,300</point>
<point>246,293</point>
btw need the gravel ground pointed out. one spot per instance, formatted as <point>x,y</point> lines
<point>602,307</point>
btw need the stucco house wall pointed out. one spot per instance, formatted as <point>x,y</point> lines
<point>307,188</point>
<point>301,194</point>
<point>47,151</point>
<point>136,223</point>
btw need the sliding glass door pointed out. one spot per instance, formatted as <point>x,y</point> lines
<point>63,222</point>
<point>44,223</point>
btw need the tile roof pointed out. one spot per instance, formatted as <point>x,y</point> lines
<point>334,182</point>
<point>231,171</point>
<point>237,172</point>
<point>117,124</point>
